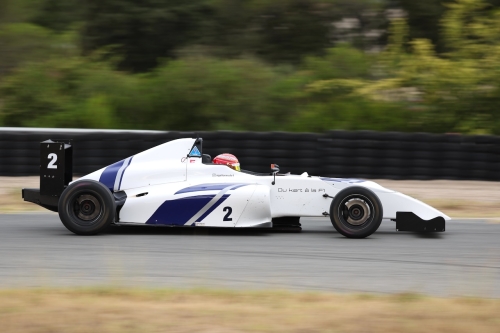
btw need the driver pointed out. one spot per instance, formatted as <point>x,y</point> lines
<point>227,159</point>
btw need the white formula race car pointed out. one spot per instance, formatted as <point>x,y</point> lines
<point>175,184</point>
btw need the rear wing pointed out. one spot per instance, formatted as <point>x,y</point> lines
<point>56,172</point>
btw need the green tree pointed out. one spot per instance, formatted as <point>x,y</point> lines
<point>458,92</point>
<point>22,42</point>
<point>139,33</point>
<point>188,94</point>
<point>424,17</point>
<point>18,11</point>
<point>290,30</point>
<point>59,15</point>
<point>60,93</point>
<point>285,31</point>
<point>204,94</point>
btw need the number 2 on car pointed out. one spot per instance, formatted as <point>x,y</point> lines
<point>52,163</point>
<point>228,217</point>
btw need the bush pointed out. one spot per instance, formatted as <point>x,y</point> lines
<point>59,93</point>
<point>189,94</point>
<point>22,42</point>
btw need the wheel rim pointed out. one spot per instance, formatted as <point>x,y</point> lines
<point>86,208</point>
<point>356,211</point>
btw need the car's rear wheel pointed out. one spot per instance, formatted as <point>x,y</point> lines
<point>86,207</point>
<point>356,212</point>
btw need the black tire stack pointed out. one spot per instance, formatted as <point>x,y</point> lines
<point>358,154</point>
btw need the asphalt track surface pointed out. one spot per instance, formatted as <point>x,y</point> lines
<point>37,251</point>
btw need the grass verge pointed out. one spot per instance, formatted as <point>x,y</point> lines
<point>200,310</point>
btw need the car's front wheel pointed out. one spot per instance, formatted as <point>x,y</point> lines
<point>356,212</point>
<point>86,207</point>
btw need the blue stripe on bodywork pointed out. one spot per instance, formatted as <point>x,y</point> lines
<point>179,211</point>
<point>108,176</point>
<point>342,180</point>
<point>209,187</point>
<point>215,205</point>
<point>123,172</point>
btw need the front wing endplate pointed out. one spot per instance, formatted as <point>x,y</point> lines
<point>408,221</point>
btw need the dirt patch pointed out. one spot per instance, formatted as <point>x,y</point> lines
<point>10,194</point>
<point>455,198</point>
<point>115,310</point>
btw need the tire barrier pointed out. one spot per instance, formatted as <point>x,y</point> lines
<point>347,154</point>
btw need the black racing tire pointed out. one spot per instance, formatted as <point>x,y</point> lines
<point>86,207</point>
<point>356,212</point>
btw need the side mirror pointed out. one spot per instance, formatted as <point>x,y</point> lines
<point>275,168</point>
